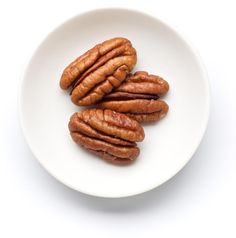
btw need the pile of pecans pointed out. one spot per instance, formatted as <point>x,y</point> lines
<point>102,77</point>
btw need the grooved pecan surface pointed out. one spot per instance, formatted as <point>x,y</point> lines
<point>98,71</point>
<point>137,97</point>
<point>106,133</point>
<point>142,110</point>
<point>143,83</point>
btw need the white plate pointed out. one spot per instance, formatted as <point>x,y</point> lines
<point>169,144</point>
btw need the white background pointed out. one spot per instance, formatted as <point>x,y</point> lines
<point>199,202</point>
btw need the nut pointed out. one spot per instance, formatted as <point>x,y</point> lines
<point>137,97</point>
<point>98,71</point>
<point>142,110</point>
<point>108,134</point>
<point>143,83</point>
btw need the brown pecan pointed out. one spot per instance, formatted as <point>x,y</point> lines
<point>142,110</point>
<point>98,71</point>
<point>137,97</point>
<point>110,135</point>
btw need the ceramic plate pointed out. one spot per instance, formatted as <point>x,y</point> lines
<point>169,144</point>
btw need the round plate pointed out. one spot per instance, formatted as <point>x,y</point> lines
<point>169,144</point>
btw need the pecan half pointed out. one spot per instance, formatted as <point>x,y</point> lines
<point>110,135</point>
<point>137,97</point>
<point>98,71</point>
<point>143,83</point>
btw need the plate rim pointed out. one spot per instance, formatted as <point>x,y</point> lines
<point>180,34</point>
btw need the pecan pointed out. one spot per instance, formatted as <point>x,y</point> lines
<point>98,71</point>
<point>143,83</point>
<point>108,134</point>
<point>137,97</point>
